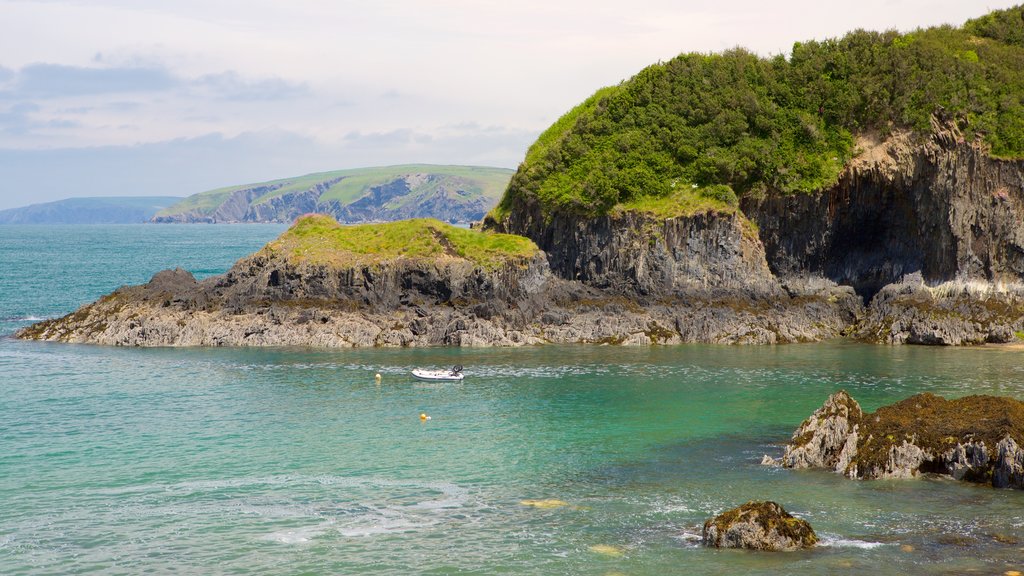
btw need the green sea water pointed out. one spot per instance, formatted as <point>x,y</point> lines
<point>294,461</point>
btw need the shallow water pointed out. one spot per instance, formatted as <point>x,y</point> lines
<point>293,461</point>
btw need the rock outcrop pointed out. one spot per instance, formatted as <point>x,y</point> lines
<point>929,230</point>
<point>975,439</point>
<point>758,526</point>
<point>280,297</point>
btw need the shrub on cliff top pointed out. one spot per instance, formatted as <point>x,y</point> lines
<point>319,239</point>
<point>786,124</point>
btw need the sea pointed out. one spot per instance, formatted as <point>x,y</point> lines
<point>545,460</point>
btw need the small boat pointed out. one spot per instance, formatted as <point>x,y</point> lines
<point>452,375</point>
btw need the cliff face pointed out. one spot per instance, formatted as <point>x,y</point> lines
<point>929,232</point>
<point>939,207</point>
<point>637,254</point>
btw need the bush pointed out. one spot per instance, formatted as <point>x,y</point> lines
<point>743,124</point>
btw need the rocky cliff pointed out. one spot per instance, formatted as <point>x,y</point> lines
<point>928,230</point>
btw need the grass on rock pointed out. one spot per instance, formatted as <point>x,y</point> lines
<point>319,239</point>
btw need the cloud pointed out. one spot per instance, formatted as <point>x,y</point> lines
<point>22,119</point>
<point>44,81</point>
<point>58,80</point>
<point>230,86</point>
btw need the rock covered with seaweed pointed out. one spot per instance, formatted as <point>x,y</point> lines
<point>975,438</point>
<point>758,526</point>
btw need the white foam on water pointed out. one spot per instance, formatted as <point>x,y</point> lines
<point>6,539</point>
<point>836,542</point>
<point>298,535</point>
<point>385,521</point>
<point>690,537</point>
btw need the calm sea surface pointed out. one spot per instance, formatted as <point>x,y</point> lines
<point>292,461</point>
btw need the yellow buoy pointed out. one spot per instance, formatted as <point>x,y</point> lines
<point>377,378</point>
<point>424,417</point>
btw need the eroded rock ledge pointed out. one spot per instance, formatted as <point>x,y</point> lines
<point>975,439</point>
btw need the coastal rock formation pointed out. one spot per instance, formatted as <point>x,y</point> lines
<point>975,439</point>
<point>929,230</point>
<point>711,198</point>
<point>304,290</point>
<point>758,526</point>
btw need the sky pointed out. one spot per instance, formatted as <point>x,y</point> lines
<point>146,98</point>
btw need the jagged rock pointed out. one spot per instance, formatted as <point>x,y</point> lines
<point>1009,469</point>
<point>971,439</point>
<point>828,439</point>
<point>758,526</point>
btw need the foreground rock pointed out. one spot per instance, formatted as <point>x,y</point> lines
<point>975,439</point>
<point>758,526</point>
<point>312,288</point>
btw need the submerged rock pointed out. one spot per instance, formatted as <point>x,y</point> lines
<point>758,526</point>
<point>975,439</point>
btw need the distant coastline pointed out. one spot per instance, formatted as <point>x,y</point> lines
<point>97,210</point>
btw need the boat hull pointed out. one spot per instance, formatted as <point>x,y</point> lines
<point>436,376</point>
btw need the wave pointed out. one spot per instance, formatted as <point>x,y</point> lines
<point>29,318</point>
<point>836,542</point>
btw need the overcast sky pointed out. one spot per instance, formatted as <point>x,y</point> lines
<point>141,97</point>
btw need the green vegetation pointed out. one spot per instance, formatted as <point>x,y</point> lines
<point>350,185</point>
<point>782,124</point>
<point>684,201</point>
<point>319,239</point>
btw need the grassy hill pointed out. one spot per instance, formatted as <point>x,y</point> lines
<point>715,127</point>
<point>362,194</point>
<point>98,210</point>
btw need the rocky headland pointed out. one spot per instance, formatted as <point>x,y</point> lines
<point>974,439</point>
<point>312,287</point>
<point>704,200</point>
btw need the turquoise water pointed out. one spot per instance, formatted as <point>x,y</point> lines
<point>293,461</point>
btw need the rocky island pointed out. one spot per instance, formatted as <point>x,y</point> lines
<point>870,186</point>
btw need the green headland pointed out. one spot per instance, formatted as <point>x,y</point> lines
<point>724,126</point>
